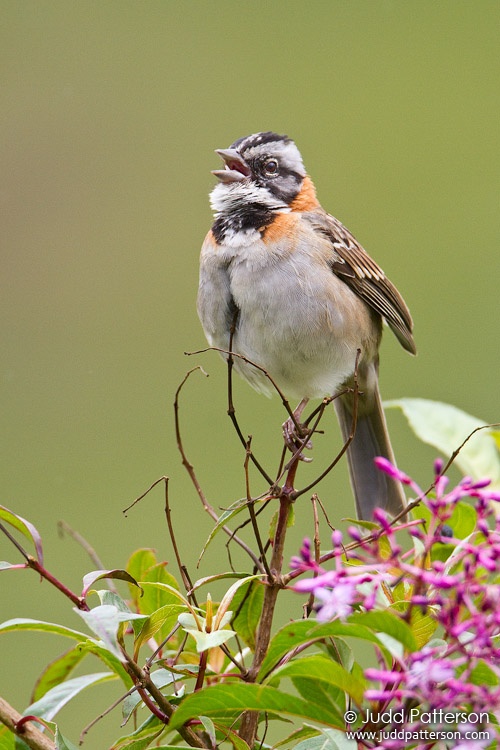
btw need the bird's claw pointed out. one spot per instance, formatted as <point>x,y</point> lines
<point>294,439</point>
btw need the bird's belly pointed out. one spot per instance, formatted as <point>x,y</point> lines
<point>303,335</point>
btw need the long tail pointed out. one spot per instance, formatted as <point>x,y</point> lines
<point>372,488</point>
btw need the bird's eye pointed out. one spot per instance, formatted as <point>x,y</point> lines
<point>271,167</point>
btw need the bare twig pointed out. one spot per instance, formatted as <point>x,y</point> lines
<point>191,472</point>
<point>107,711</point>
<point>251,510</point>
<point>34,564</point>
<point>156,701</point>
<point>65,528</point>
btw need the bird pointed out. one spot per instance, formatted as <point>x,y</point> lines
<point>293,292</point>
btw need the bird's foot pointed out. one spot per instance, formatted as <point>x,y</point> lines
<point>294,436</point>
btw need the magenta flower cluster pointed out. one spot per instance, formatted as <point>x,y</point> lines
<point>447,588</point>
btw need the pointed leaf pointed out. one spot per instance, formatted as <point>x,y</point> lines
<point>104,654</point>
<point>26,528</point>
<point>57,671</point>
<point>159,593</point>
<point>226,516</point>
<point>141,737</point>
<point>220,701</point>
<point>247,608</point>
<point>446,427</point>
<point>305,732</point>
<point>321,669</point>
<point>138,564</point>
<point>231,736</point>
<point>226,600</point>
<point>386,622</point>
<point>97,575</point>
<point>25,623</point>
<point>163,618</point>
<point>218,577</point>
<point>330,739</point>
<point>161,678</point>
<point>205,641</point>
<point>209,728</point>
<point>52,702</point>
<point>104,621</point>
<point>61,742</point>
<point>4,565</point>
<point>301,632</point>
<point>422,626</point>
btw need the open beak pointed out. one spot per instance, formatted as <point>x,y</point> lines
<point>236,169</point>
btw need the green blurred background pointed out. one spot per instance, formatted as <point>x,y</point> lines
<point>110,114</point>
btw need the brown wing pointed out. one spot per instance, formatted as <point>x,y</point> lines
<point>355,267</point>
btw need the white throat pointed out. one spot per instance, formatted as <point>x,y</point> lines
<point>226,198</point>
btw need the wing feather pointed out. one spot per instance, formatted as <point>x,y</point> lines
<point>360,272</point>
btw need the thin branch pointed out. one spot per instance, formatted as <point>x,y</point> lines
<point>230,403</point>
<point>34,564</point>
<point>106,711</point>
<point>65,528</point>
<point>191,472</point>
<point>251,510</point>
<point>182,567</point>
<point>161,707</point>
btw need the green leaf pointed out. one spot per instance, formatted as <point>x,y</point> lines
<point>231,736</point>
<point>161,678</point>
<point>26,528</point>
<point>290,521</point>
<point>226,516</point>
<point>330,739</point>
<point>92,647</point>
<point>61,742</point>
<point>482,674</point>
<point>218,577</point>
<point>227,599</point>
<point>321,669</point>
<point>111,597</point>
<point>304,733</point>
<point>462,521</point>
<point>7,739</point>
<point>301,632</point>
<point>160,588</point>
<point>423,626</point>
<point>138,564</point>
<point>247,606</point>
<point>340,651</point>
<point>97,575</point>
<point>446,427</point>
<point>164,618</point>
<point>25,623</point>
<point>209,728</point>
<point>221,701</point>
<point>142,737</point>
<point>104,621</point>
<point>324,696</point>
<point>386,622</point>
<point>52,702</point>
<point>57,671</point>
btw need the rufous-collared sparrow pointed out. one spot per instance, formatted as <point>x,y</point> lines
<point>305,296</point>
